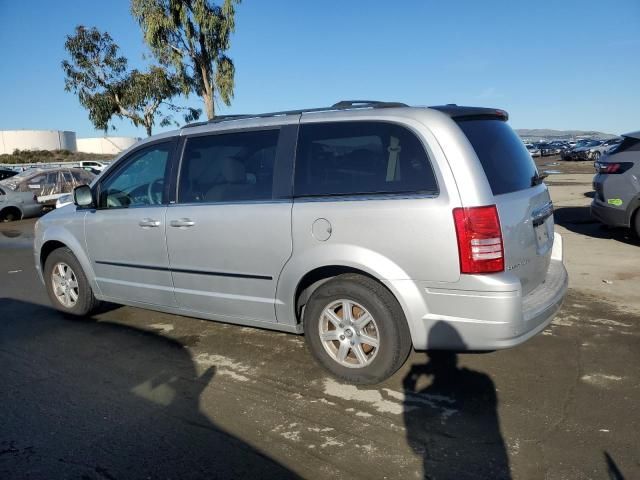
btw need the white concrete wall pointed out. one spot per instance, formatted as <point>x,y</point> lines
<point>106,145</point>
<point>11,140</point>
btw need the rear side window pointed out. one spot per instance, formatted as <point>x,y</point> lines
<point>504,158</point>
<point>349,158</point>
<point>628,144</point>
<point>228,167</point>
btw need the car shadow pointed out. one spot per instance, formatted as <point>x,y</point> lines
<point>450,415</point>
<point>96,399</point>
<point>579,220</point>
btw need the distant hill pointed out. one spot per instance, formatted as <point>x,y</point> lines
<point>545,133</point>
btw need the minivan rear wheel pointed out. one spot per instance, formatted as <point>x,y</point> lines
<point>356,329</point>
<point>67,285</point>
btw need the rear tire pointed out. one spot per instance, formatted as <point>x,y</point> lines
<point>67,285</point>
<point>10,215</point>
<point>368,344</point>
<point>635,225</point>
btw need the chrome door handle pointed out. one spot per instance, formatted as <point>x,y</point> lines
<point>183,222</point>
<point>149,222</point>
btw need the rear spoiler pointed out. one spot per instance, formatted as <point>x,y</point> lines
<point>460,113</point>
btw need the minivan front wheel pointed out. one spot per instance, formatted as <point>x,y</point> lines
<point>356,329</point>
<point>67,286</point>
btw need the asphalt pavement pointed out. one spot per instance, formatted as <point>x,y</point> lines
<point>130,393</point>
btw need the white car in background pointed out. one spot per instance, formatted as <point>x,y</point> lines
<point>93,164</point>
<point>533,150</point>
<point>596,152</point>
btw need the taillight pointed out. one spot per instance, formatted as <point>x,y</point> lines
<point>607,167</point>
<point>479,239</point>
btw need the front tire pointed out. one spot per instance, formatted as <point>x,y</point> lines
<point>67,285</point>
<point>356,330</point>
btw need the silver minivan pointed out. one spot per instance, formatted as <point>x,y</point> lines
<point>365,226</point>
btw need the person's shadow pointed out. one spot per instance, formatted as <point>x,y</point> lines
<point>451,417</point>
<point>96,399</point>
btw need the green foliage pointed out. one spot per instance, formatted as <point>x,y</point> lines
<point>37,156</point>
<point>192,36</point>
<point>107,89</point>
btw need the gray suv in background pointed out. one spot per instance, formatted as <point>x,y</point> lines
<point>617,185</point>
<point>367,226</point>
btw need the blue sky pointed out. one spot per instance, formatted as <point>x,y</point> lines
<point>551,64</point>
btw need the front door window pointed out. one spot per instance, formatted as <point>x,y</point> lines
<point>140,182</point>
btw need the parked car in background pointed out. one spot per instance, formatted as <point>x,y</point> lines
<point>48,183</point>
<point>533,150</point>
<point>347,223</point>
<point>17,205</point>
<point>617,190</point>
<point>64,200</point>
<point>550,148</point>
<point>6,173</point>
<point>597,151</point>
<point>93,165</point>
<point>581,151</point>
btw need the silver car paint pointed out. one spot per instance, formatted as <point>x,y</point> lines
<point>23,201</point>
<point>407,242</point>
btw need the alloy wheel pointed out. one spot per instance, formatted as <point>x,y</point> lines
<point>65,285</point>
<point>349,333</point>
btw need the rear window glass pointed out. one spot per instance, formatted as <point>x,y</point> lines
<point>350,158</point>
<point>628,144</point>
<point>506,162</point>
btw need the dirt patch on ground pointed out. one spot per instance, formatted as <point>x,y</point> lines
<point>555,164</point>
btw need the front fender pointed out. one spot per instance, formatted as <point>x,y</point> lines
<point>74,240</point>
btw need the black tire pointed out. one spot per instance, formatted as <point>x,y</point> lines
<point>86,302</point>
<point>635,225</point>
<point>10,215</point>
<point>392,329</point>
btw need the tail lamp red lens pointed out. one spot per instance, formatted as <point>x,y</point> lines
<point>613,167</point>
<point>479,239</point>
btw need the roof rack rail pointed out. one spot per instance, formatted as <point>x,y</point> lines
<point>346,104</point>
<point>341,105</point>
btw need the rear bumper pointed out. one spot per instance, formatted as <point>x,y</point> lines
<point>615,217</point>
<point>496,318</point>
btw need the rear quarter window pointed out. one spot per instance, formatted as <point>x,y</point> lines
<point>628,144</point>
<point>504,158</point>
<point>367,157</point>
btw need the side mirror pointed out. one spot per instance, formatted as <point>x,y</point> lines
<point>82,196</point>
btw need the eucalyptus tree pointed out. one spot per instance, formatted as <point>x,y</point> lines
<point>99,76</point>
<point>193,37</point>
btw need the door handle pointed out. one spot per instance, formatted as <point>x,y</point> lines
<point>149,222</point>
<point>182,222</point>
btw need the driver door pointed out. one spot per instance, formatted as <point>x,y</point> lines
<point>125,233</point>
